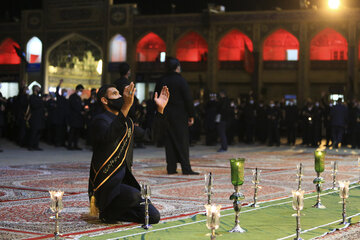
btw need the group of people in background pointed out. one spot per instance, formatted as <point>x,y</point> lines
<point>60,120</point>
<point>250,121</point>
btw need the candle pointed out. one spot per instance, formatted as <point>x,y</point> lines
<point>237,171</point>
<point>213,216</point>
<point>319,161</point>
<point>56,200</point>
<point>344,189</point>
<point>298,199</point>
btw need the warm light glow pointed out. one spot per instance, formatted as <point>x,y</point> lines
<point>99,67</point>
<point>334,4</point>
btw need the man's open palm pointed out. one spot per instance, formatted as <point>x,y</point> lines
<point>162,99</point>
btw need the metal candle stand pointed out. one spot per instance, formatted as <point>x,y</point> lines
<point>299,174</point>
<point>318,181</point>
<point>145,193</point>
<point>209,181</point>
<point>237,196</point>
<point>56,206</point>
<point>334,172</point>
<point>256,182</point>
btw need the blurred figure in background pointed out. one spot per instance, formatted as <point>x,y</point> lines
<point>36,118</point>
<point>209,121</point>
<point>222,119</point>
<point>76,117</point>
<point>339,118</point>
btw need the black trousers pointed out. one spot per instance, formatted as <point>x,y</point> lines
<point>34,137</point>
<point>176,153</point>
<point>74,135</point>
<point>221,127</point>
<point>291,128</point>
<point>127,207</point>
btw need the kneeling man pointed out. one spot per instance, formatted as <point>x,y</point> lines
<point>114,192</point>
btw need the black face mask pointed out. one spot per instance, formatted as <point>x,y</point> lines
<point>116,104</point>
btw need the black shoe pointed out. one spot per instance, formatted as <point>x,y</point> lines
<point>38,149</point>
<point>171,173</point>
<point>1,150</point>
<point>221,150</point>
<point>191,173</point>
<point>30,149</point>
<point>77,148</point>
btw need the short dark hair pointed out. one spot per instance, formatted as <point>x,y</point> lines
<point>171,64</point>
<point>124,68</point>
<point>79,87</point>
<point>35,86</point>
<point>102,91</point>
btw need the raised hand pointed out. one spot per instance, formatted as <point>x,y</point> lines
<point>162,99</point>
<point>128,94</point>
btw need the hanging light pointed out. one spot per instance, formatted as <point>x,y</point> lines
<point>334,4</point>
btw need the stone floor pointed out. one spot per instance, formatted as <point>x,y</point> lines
<point>26,177</point>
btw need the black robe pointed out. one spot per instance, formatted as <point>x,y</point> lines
<point>176,132</point>
<point>107,130</point>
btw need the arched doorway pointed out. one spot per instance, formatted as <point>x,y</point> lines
<point>117,49</point>
<point>281,46</point>
<point>232,46</point>
<point>76,60</point>
<point>231,50</point>
<point>34,50</point>
<point>328,45</point>
<point>8,53</point>
<point>192,48</point>
<point>150,48</point>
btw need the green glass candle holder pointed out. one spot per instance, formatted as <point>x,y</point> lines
<point>237,171</point>
<point>319,161</point>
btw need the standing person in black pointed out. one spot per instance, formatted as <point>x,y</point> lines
<point>356,135</point>
<point>76,117</point>
<point>180,115</point>
<point>2,115</point>
<point>113,191</point>
<point>261,122</point>
<point>250,121</point>
<point>62,112</point>
<point>51,108</point>
<point>209,121</point>
<point>223,117</point>
<point>309,126</point>
<point>318,115</point>
<point>291,117</point>
<point>37,118</point>
<point>22,104</point>
<point>339,119</point>
<point>273,117</point>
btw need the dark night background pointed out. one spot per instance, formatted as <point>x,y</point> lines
<point>11,10</point>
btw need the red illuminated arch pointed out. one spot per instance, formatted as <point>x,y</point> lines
<point>328,45</point>
<point>149,48</point>
<point>276,46</point>
<point>8,53</point>
<point>232,46</point>
<point>192,48</point>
